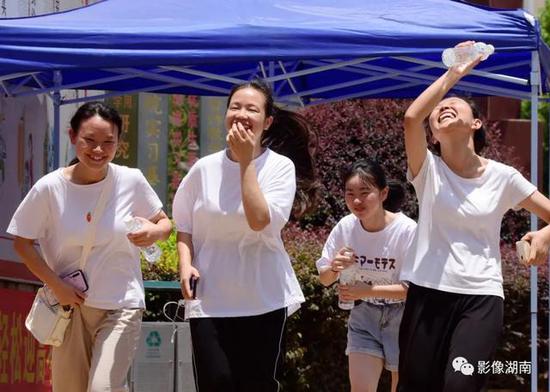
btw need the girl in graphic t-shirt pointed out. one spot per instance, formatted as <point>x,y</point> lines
<point>453,316</point>
<point>379,241</point>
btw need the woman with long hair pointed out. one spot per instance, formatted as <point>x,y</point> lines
<point>229,212</point>
<point>454,310</point>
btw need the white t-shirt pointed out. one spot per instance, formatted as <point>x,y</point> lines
<point>243,272</point>
<point>380,254</point>
<point>54,212</point>
<point>457,248</point>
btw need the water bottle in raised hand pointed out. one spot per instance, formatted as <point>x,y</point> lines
<point>348,276</point>
<point>151,253</point>
<point>464,54</point>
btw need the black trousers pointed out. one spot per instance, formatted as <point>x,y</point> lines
<point>443,336</point>
<point>239,354</point>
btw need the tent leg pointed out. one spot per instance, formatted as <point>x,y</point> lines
<point>56,127</point>
<point>56,119</point>
<point>535,76</point>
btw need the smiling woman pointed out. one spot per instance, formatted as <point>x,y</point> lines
<point>229,211</point>
<point>57,212</point>
<point>452,110</point>
<point>95,143</point>
<point>454,304</point>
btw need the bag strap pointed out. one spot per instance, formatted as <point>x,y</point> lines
<point>96,216</point>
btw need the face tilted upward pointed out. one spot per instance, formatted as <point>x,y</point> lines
<point>453,117</point>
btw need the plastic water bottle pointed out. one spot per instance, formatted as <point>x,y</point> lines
<point>463,54</point>
<point>152,252</point>
<point>347,277</point>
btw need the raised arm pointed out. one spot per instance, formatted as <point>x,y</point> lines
<point>420,109</point>
<point>242,143</point>
<point>255,205</point>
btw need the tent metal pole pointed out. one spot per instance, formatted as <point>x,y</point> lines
<point>414,75</point>
<point>271,74</point>
<point>271,71</point>
<point>482,73</point>
<point>57,78</point>
<point>535,82</point>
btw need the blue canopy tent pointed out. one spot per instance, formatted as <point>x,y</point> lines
<point>311,51</point>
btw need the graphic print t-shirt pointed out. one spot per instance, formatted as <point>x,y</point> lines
<point>380,254</point>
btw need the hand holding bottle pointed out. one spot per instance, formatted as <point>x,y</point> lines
<point>141,234</point>
<point>348,275</point>
<point>343,259</point>
<point>466,52</point>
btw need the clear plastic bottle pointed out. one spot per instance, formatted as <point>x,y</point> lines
<point>463,54</point>
<point>348,276</point>
<point>151,253</point>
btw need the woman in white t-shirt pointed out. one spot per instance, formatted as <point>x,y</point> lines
<point>376,241</point>
<point>229,211</point>
<point>102,337</point>
<point>454,310</point>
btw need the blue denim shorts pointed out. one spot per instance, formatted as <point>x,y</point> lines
<point>374,330</point>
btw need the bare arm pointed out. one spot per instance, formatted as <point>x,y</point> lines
<point>66,294</point>
<point>415,135</point>
<point>255,206</point>
<point>157,228</point>
<point>363,290</point>
<point>185,255</point>
<point>242,144</point>
<point>539,205</point>
<point>328,276</point>
<point>420,109</point>
<point>163,225</point>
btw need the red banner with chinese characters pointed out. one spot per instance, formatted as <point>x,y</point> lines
<point>24,363</point>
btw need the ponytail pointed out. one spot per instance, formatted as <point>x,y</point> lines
<point>396,196</point>
<point>290,135</point>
